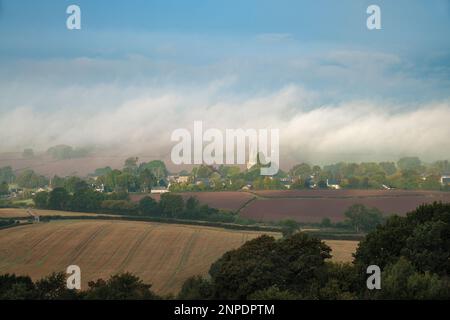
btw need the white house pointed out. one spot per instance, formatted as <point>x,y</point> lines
<point>445,180</point>
<point>159,190</point>
<point>333,184</point>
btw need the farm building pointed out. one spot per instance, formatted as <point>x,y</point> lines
<point>159,190</point>
<point>445,180</point>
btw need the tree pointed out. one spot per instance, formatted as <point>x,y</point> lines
<point>75,184</point>
<point>148,206</point>
<point>388,167</point>
<point>125,286</point>
<point>326,223</point>
<point>423,237</point>
<point>410,163</point>
<point>41,200</point>
<point>131,165</point>
<point>7,175</point>
<point>196,288</point>
<point>86,200</point>
<point>146,180</point>
<point>192,204</point>
<point>102,171</point>
<point>4,188</point>
<point>401,281</point>
<point>428,247</point>
<point>54,287</point>
<point>29,179</point>
<point>156,167</point>
<point>58,199</point>
<point>171,204</point>
<point>301,170</point>
<point>294,264</point>
<point>14,287</point>
<point>363,219</point>
<point>289,227</point>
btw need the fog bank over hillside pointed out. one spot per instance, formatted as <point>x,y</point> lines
<point>309,131</point>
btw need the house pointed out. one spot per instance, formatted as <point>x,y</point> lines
<point>159,190</point>
<point>204,181</point>
<point>182,179</point>
<point>100,188</point>
<point>179,179</point>
<point>445,180</point>
<point>333,184</point>
<point>286,182</point>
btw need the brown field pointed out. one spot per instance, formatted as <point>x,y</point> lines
<point>162,254</point>
<point>22,213</point>
<point>228,200</point>
<point>348,193</point>
<point>342,250</point>
<point>314,205</point>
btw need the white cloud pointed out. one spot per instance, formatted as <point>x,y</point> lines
<point>353,130</point>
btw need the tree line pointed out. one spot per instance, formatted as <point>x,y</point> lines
<point>170,205</point>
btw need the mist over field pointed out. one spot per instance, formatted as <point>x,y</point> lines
<point>143,122</point>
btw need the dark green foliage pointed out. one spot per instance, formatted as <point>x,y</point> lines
<point>342,282</point>
<point>409,163</point>
<point>402,281</point>
<point>86,200</point>
<point>289,227</point>
<point>363,219</point>
<point>58,199</point>
<point>4,188</point>
<point>54,287</point>
<point>7,175</point>
<point>119,207</point>
<point>123,286</point>
<point>14,287</point>
<point>423,237</point>
<point>41,200</point>
<point>196,288</point>
<point>292,264</point>
<point>148,207</point>
<point>75,184</point>
<point>171,205</point>
<point>29,179</point>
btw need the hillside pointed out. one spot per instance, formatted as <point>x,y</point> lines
<point>162,254</point>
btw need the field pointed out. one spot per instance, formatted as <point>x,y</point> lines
<point>22,213</point>
<point>162,254</point>
<point>229,200</point>
<point>313,205</point>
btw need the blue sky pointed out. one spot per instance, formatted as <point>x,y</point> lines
<point>306,56</point>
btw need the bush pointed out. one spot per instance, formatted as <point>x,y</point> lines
<point>119,207</point>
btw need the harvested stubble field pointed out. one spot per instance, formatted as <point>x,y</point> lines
<point>228,200</point>
<point>22,213</point>
<point>162,254</point>
<point>311,206</point>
